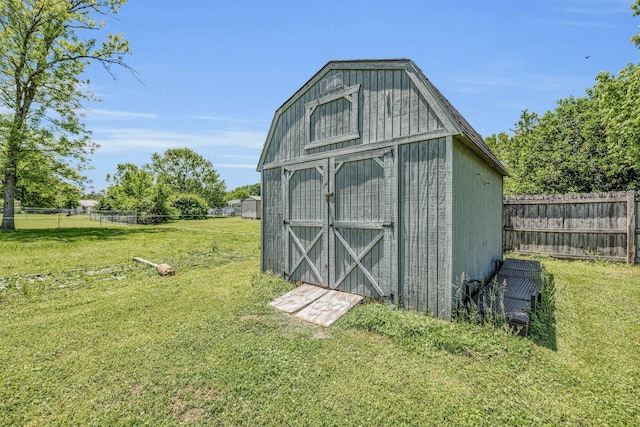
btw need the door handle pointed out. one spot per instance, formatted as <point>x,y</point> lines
<point>388,225</point>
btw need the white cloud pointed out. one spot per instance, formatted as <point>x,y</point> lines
<point>538,82</point>
<point>101,114</point>
<point>237,165</point>
<point>222,119</point>
<point>124,140</point>
<point>237,156</point>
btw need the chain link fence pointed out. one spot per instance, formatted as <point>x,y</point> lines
<point>118,217</point>
<point>29,218</point>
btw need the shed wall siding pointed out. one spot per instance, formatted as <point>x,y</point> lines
<point>272,219</point>
<point>366,188</point>
<point>389,106</point>
<point>423,227</point>
<point>477,216</point>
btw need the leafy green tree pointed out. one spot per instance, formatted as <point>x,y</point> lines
<point>587,144</point>
<point>130,184</point>
<point>243,192</point>
<point>42,177</point>
<point>134,189</point>
<point>190,206</point>
<point>155,208</point>
<point>68,197</point>
<point>186,172</point>
<point>618,102</point>
<point>635,7</point>
<point>45,47</point>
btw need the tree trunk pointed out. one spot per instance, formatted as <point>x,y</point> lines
<point>8,222</point>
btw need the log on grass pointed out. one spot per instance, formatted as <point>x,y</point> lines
<point>162,269</point>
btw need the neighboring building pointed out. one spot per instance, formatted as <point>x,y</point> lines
<point>86,206</point>
<point>234,207</point>
<point>373,183</point>
<point>251,207</point>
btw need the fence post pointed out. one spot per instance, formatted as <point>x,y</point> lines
<point>631,227</point>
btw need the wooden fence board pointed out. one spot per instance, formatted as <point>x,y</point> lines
<point>583,226</point>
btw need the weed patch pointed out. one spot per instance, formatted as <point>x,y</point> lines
<point>416,332</point>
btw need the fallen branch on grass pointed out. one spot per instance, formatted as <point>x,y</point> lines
<point>163,269</point>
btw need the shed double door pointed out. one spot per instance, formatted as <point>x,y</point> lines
<point>338,223</point>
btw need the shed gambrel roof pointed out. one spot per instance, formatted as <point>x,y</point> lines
<point>455,119</point>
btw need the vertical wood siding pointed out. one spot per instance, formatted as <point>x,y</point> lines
<point>380,220</point>
<point>423,227</point>
<point>389,105</point>
<point>360,198</point>
<point>305,212</point>
<point>477,216</point>
<point>585,226</point>
<point>272,236</point>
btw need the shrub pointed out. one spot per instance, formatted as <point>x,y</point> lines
<point>190,206</point>
<point>155,209</point>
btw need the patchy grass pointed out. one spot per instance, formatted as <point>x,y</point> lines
<point>122,345</point>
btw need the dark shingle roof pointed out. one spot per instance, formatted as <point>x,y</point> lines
<point>464,126</point>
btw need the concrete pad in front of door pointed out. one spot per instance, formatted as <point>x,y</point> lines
<point>316,305</point>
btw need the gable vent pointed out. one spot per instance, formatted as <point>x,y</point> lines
<point>331,83</point>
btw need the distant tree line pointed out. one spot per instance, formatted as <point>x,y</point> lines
<point>243,192</point>
<point>178,183</point>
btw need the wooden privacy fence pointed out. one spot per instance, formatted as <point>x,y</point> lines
<point>583,226</point>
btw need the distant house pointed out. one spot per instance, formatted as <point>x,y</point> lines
<point>86,206</point>
<point>251,207</point>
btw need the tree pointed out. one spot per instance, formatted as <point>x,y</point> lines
<point>190,206</point>
<point>42,177</point>
<point>243,192</point>
<point>130,185</point>
<point>635,7</point>
<point>45,47</point>
<point>587,144</point>
<point>134,189</point>
<point>68,197</point>
<point>617,101</point>
<point>186,172</point>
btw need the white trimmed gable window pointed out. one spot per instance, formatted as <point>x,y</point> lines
<point>332,118</point>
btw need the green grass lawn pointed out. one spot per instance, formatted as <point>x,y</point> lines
<point>89,337</point>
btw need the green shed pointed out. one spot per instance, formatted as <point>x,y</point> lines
<point>374,184</point>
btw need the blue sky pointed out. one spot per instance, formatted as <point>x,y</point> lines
<point>214,72</point>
